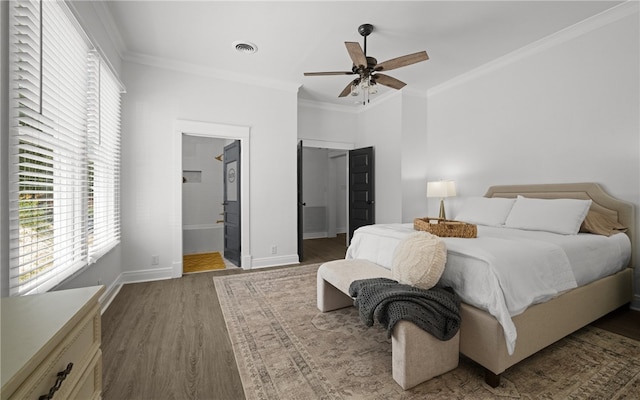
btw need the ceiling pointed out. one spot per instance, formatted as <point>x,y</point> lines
<point>308,36</point>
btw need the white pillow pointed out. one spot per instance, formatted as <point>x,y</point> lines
<point>491,211</point>
<point>419,260</point>
<point>562,216</point>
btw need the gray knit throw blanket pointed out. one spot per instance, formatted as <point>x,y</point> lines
<point>437,310</point>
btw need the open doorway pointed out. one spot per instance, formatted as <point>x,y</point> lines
<point>228,133</point>
<point>202,195</point>
<point>324,195</point>
<point>210,230</point>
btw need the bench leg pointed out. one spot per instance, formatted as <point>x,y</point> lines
<point>329,298</point>
<point>417,356</point>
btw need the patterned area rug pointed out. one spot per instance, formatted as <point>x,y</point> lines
<point>286,349</point>
<point>202,262</point>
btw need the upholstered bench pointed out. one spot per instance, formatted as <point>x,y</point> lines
<point>417,356</point>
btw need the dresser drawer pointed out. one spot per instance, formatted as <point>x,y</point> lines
<point>90,385</point>
<point>80,347</point>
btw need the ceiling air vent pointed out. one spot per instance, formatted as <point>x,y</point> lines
<point>242,46</point>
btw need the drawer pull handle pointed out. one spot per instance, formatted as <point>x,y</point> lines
<point>62,375</point>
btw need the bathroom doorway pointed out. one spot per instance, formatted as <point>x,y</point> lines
<point>228,134</point>
<point>202,194</point>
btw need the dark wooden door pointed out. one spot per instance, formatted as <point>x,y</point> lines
<point>301,205</point>
<point>232,233</point>
<point>361,189</point>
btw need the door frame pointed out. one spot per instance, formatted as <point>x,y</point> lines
<point>218,131</point>
<point>300,198</point>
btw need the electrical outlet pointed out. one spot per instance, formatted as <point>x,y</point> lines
<point>274,249</point>
<point>155,260</point>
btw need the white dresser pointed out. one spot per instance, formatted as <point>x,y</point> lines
<point>42,335</point>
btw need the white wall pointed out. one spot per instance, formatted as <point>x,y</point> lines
<point>565,111</point>
<point>380,126</point>
<point>155,99</point>
<point>396,127</point>
<point>414,157</point>
<point>325,123</point>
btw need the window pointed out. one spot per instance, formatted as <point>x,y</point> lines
<point>64,145</point>
<point>103,214</point>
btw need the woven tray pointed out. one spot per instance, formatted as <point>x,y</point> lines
<point>445,227</point>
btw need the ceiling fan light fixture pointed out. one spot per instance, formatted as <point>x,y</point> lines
<point>355,90</point>
<point>243,46</point>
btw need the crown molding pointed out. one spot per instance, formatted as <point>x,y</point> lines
<point>571,32</point>
<point>324,144</point>
<point>321,105</point>
<point>110,26</point>
<point>414,92</point>
<point>179,66</point>
<point>357,109</point>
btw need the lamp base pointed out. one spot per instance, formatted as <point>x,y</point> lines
<point>442,215</point>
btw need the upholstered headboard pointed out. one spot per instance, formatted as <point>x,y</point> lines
<point>602,201</point>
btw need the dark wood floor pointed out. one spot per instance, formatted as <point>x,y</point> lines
<point>623,321</point>
<point>168,339</point>
<point>322,250</point>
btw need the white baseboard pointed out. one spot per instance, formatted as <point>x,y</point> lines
<point>110,293</point>
<point>132,277</point>
<point>245,262</point>
<point>147,275</point>
<point>321,235</point>
<point>274,261</point>
<point>314,235</point>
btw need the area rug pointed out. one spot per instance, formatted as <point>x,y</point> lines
<point>202,262</point>
<point>286,349</point>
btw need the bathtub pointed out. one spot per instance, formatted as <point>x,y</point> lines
<point>203,238</point>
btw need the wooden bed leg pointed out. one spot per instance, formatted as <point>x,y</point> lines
<point>491,379</point>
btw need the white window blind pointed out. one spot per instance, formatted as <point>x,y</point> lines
<point>104,159</point>
<point>54,163</point>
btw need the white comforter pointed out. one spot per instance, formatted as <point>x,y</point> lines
<point>502,271</point>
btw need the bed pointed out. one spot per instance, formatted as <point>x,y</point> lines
<point>484,336</point>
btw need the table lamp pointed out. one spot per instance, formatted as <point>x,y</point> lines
<point>441,189</point>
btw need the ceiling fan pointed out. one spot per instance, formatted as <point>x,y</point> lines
<point>368,69</point>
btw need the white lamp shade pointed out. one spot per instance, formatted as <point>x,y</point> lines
<point>441,189</point>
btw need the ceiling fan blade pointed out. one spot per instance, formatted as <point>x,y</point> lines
<point>402,61</point>
<point>389,81</point>
<point>356,54</point>
<point>347,90</point>
<point>328,73</point>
